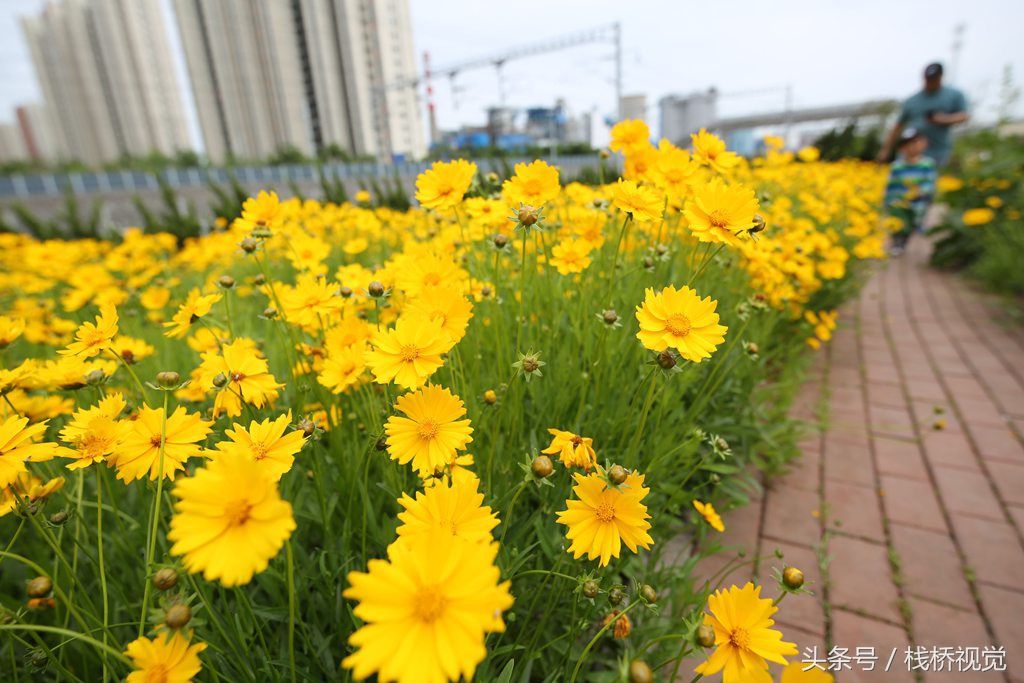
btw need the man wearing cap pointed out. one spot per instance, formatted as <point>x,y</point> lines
<point>933,111</point>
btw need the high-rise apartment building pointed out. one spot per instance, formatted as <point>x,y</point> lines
<point>268,75</point>
<point>106,73</point>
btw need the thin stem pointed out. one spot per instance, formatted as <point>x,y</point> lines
<point>291,609</point>
<point>74,635</point>
<point>590,645</point>
<point>102,566</point>
<point>154,518</point>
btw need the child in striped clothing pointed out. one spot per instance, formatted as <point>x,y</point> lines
<point>910,188</point>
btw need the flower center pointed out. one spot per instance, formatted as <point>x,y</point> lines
<point>718,218</point>
<point>432,279</point>
<point>429,604</point>
<point>740,637</point>
<point>428,430</point>
<point>156,673</point>
<point>238,512</point>
<point>409,353</point>
<point>155,440</point>
<point>605,512</point>
<point>237,376</point>
<point>679,325</point>
<point>577,440</point>
<point>259,451</point>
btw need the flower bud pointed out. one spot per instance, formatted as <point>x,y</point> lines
<point>622,625</point>
<point>307,426</point>
<point>382,444</point>
<point>220,380</point>
<point>500,241</point>
<point>486,291</point>
<point>248,245</point>
<point>94,377</point>
<point>527,215</point>
<point>165,579</point>
<point>375,289</point>
<point>604,154</point>
<point>759,223</point>
<point>226,281</point>
<point>640,672</point>
<point>648,593</point>
<point>617,474</point>
<point>609,316</point>
<point>58,518</point>
<point>345,291</point>
<point>492,178</point>
<point>177,616</point>
<point>39,587</point>
<point>168,379</point>
<point>666,361</point>
<point>542,467</point>
<point>705,635</point>
<point>591,589</point>
<point>490,398</point>
<point>616,596</point>
<point>259,279</point>
<point>792,578</point>
<point>269,313</point>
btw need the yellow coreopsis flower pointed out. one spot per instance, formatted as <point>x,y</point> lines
<point>432,431</point>
<point>311,302</point>
<point>27,487</point>
<point>343,367</point>
<point>744,637</point>
<point>571,256</point>
<point>195,307</point>
<point>572,450</point>
<point>138,452</point>
<point>155,298</point>
<point>444,304</point>
<point>709,149</point>
<point>245,373</point>
<point>164,659</point>
<point>18,445</point>
<point>980,216</point>
<point>720,212</point>
<point>409,353</point>
<point>93,433</point>
<point>265,443</point>
<point>629,134</point>
<point>642,202</point>
<point>534,184</point>
<point>443,185</point>
<point>680,319</point>
<point>440,616</point>
<point>261,211</point>
<point>229,520</point>
<point>130,349</point>
<point>454,507</point>
<point>10,329</point>
<point>92,338</point>
<point>808,154</point>
<point>604,517</point>
<point>707,511</point>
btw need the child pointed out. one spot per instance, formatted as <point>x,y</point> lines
<point>910,188</point>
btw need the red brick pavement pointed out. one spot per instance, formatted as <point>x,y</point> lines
<point>906,510</point>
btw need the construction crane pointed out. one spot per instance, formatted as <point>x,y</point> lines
<point>610,33</point>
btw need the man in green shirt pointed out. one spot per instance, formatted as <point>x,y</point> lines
<point>933,111</point>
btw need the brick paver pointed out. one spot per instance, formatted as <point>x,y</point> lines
<point>906,510</point>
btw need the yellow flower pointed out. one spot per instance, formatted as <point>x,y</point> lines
<point>130,349</point>
<point>674,170</point>
<point>155,298</point>
<point>95,432</point>
<point>720,212</point>
<point>444,304</point>
<point>363,197</point>
<point>92,338</point>
<point>343,367</point>
<point>247,377</point>
<point>10,329</point>
<point>642,202</point>
<point>418,271</point>
<point>744,637</point>
<point>454,508</point>
<point>948,183</point>
<point>312,300</point>
<point>994,202</point>
<point>265,443</point>
<point>679,319</point>
<point>426,610</point>
<point>629,134</point>
<point>534,184</point>
<point>707,511</point>
<point>571,256</point>
<point>409,353</point>
<point>980,216</point>
<point>195,307</point>
<point>138,452</point>
<point>808,154</point>
<point>604,517</point>
<point>709,149</point>
<point>164,659</point>
<point>263,211</point>
<point>444,184</point>
<point>572,450</point>
<point>229,519</point>
<point>432,431</point>
<point>17,445</point>
<point>27,486</point>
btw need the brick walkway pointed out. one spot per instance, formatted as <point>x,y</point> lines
<point>910,533</point>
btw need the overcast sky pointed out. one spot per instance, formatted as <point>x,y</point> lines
<point>829,51</point>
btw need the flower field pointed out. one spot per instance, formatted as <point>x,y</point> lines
<point>485,437</point>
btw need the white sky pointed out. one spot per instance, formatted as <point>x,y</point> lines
<point>829,51</point>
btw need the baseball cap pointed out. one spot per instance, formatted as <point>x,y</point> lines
<point>933,70</point>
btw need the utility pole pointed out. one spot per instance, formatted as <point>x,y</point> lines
<point>958,43</point>
<point>431,108</point>
<point>617,27</point>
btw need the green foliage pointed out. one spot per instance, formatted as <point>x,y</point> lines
<point>847,143</point>
<point>176,217</point>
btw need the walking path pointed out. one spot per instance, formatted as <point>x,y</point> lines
<point>907,507</point>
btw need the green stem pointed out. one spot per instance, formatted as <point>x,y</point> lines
<point>74,635</point>
<point>154,518</point>
<point>291,609</point>
<point>102,566</point>
<point>593,641</point>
